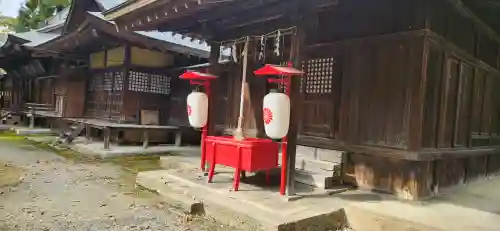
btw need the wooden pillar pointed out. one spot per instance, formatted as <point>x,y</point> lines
<point>295,98</point>
<point>214,69</point>
<point>417,92</point>
<point>145,139</point>
<point>126,75</point>
<point>178,138</point>
<point>107,137</point>
<point>87,134</point>
<point>32,117</point>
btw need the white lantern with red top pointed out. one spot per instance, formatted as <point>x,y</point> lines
<point>197,109</point>
<point>276,114</point>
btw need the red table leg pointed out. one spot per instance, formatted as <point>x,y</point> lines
<point>236,183</point>
<point>212,165</point>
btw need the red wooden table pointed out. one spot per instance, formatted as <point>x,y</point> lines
<point>249,155</point>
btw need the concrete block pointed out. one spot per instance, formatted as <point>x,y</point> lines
<point>333,156</point>
<point>312,165</point>
<point>318,180</point>
<point>306,152</point>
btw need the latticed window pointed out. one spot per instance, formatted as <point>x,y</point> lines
<point>149,83</point>
<point>319,75</point>
<point>138,81</point>
<point>160,84</point>
<point>108,81</point>
<point>118,81</point>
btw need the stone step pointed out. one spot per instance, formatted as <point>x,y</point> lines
<point>316,173</point>
<point>313,153</point>
<point>304,163</point>
<point>318,180</point>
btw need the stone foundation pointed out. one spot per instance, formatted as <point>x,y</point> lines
<point>414,180</point>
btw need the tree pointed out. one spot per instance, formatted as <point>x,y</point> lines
<point>34,12</point>
<point>7,24</point>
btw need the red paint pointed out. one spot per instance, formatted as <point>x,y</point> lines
<point>270,69</point>
<point>249,154</point>
<point>268,116</point>
<point>201,79</point>
<point>286,73</point>
<point>195,75</point>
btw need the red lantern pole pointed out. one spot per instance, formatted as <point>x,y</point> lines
<point>286,73</point>
<point>201,79</point>
<point>204,131</point>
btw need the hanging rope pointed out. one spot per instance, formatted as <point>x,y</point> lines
<point>239,130</point>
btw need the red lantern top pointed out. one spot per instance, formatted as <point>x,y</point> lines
<point>195,75</point>
<point>270,69</point>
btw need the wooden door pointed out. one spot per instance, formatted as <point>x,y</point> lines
<point>321,88</point>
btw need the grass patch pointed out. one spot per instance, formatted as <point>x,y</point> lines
<point>10,135</point>
<point>137,164</point>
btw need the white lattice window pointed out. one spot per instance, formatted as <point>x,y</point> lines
<point>108,81</point>
<point>118,81</point>
<point>319,75</point>
<point>139,81</point>
<point>160,84</point>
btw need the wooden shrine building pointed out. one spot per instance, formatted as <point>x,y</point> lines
<point>404,87</point>
<point>110,80</point>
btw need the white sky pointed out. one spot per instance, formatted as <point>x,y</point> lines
<point>10,7</point>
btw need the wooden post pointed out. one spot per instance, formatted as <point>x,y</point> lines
<point>145,139</point>
<point>107,137</point>
<point>178,138</point>
<point>297,41</point>
<point>32,117</point>
<point>87,134</point>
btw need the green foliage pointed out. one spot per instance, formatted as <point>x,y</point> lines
<point>7,24</point>
<point>34,12</point>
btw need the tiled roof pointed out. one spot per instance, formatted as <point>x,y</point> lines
<point>36,37</point>
<point>108,4</point>
<point>59,17</point>
<point>170,37</point>
<point>43,35</point>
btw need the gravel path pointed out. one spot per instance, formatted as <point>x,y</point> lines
<point>60,194</point>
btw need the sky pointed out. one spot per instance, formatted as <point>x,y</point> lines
<point>10,7</point>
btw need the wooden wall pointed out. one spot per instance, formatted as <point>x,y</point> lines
<point>372,82</point>
<point>463,71</point>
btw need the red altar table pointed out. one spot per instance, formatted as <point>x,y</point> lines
<point>249,154</point>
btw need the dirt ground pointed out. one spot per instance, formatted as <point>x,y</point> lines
<point>57,193</point>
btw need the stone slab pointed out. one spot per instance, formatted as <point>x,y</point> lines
<point>471,207</point>
<point>34,131</point>
<point>251,204</point>
<point>97,149</point>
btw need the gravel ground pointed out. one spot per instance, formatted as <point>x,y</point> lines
<point>62,194</point>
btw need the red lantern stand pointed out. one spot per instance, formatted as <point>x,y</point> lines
<point>200,79</point>
<point>286,74</point>
<point>248,154</point>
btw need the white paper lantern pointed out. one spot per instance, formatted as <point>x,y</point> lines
<point>276,115</point>
<point>197,109</point>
